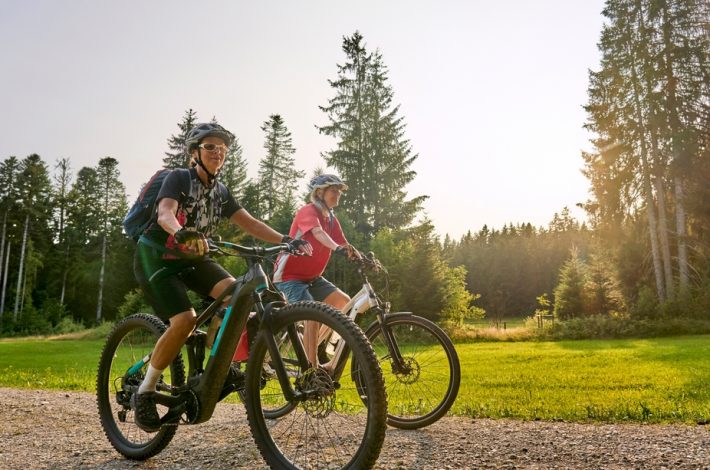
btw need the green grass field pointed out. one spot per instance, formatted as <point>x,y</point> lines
<point>641,380</point>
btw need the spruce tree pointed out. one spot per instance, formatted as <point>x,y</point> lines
<point>62,185</point>
<point>372,154</point>
<point>278,176</point>
<point>34,189</point>
<point>177,156</point>
<point>571,295</point>
<point>234,171</point>
<point>112,196</point>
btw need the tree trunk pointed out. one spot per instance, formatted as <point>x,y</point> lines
<point>64,274</point>
<point>676,129</point>
<point>2,248</point>
<point>681,233</point>
<point>4,279</point>
<point>101,281</point>
<point>663,237</point>
<point>24,292</point>
<point>20,277</point>
<point>647,187</point>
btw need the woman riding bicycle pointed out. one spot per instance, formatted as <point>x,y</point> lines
<point>299,277</point>
<point>172,253</point>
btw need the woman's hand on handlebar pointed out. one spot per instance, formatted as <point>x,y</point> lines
<point>298,246</point>
<point>349,251</point>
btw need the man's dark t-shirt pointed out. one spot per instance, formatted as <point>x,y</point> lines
<point>199,208</point>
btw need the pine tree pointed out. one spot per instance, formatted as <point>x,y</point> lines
<point>647,104</point>
<point>178,157</point>
<point>278,176</point>
<point>571,297</point>
<point>8,202</point>
<point>112,195</point>
<point>83,234</point>
<point>34,189</point>
<point>372,154</point>
<point>62,180</point>
<point>234,172</point>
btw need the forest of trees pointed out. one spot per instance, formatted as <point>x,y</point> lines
<point>643,253</point>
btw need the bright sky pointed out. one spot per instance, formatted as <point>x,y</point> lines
<point>491,92</point>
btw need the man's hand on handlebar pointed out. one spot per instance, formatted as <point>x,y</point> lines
<point>191,242</point>
<point>298,246</point>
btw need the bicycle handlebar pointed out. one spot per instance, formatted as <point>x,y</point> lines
<point>260,251</point>
<point>368,261</point>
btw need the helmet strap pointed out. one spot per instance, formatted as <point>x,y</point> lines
<point>210,177</point>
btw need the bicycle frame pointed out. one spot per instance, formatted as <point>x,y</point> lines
<point>206,385</point>
<point>364,300</point>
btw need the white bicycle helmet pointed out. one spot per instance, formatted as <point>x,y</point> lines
<point>324,181</point>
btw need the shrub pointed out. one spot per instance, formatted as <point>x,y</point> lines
<point>31,322</point>
<point>100,332</point>
<point>601,327</point>
<point>67,325</point>
<point>647,304</point>
<point>133,302</point>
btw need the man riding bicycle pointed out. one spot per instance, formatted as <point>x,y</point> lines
<point>300,278</point>
<point>172,254</point>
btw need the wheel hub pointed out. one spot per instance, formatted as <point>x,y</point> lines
<point>320,391</point>
<point>411,371</point>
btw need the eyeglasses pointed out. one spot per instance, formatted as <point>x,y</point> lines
<point>214,148</point>
<point>336,189</point>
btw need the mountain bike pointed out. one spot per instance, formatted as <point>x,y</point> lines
<point>419,362</point>
<point>332,424</point>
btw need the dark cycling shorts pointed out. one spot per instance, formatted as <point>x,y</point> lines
<point>165,282</point>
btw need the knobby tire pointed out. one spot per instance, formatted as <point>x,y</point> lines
<point>130,341</point>
<point>338,428</point>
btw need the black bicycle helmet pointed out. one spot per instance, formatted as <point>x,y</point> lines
<point>206,129</point>
<point>199,132</point>
<point>324,181</point>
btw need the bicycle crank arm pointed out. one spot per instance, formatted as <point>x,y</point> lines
<point>169,401</point>
<point>173,415</point>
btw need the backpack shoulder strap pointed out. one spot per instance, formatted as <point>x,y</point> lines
<point>186,182</point>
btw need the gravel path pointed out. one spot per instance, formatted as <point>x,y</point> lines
<point>60,430</point>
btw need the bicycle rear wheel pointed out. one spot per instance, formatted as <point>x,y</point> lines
<point>337,426</point>
<point>130,341</point>
<point>427,387</point>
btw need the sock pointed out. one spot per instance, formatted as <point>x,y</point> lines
<point>152,375</point>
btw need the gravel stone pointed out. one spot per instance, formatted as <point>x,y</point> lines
<point>60,430</point>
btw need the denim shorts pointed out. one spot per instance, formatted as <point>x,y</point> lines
<point>317,289</point>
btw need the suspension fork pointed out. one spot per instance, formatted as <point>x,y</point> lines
<point>264,313</point>
<point>398,364</point>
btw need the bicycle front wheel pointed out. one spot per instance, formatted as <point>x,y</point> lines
<point>426,386</point>
<point>128,344</point>
<point>333,425</point>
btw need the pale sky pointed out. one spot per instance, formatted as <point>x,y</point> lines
<point>491,92</point>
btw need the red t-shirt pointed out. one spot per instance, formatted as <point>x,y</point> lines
<point>306,268</point>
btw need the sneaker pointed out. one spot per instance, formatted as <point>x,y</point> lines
<point>146,413</point>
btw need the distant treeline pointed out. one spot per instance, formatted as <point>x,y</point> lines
<point>644,253</point>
